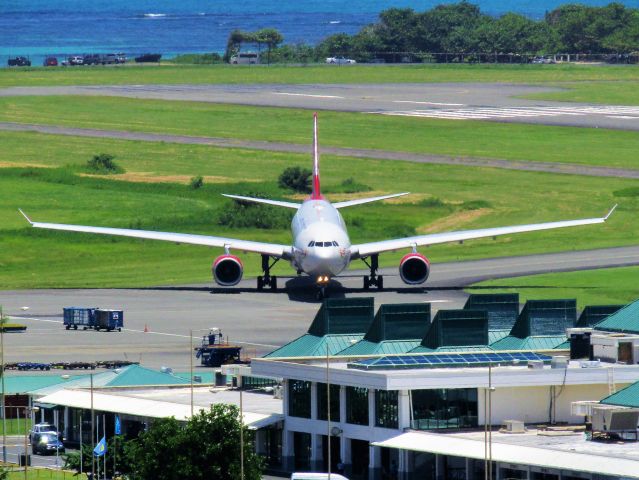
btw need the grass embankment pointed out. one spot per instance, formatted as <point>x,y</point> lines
<point>154,194</point>
<point>593,287</point>
<point>610,92</point>
<point>16,426</point>
<point>432,73</point>
<point>44,474</point>
<point>585,146</point>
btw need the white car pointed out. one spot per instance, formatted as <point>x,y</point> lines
<point>340,60</point>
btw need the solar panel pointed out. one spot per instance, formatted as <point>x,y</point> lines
<point>448,360</point>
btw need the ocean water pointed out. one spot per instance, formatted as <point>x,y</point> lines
<point>37,28</point>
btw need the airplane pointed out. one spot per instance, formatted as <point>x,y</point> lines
<point>321,247</point>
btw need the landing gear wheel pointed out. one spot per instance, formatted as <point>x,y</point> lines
<point>260,283</point>
<point>321,293</point>
<point>273,283</point>
<point>380,283</point>
<point>367,283</point>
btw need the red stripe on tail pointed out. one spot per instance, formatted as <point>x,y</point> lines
<point>317,193</point>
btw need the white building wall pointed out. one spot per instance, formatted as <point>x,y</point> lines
<point>532,404</point>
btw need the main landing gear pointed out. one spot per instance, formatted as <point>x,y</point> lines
<point>266,280</point>
<point>373,280</point>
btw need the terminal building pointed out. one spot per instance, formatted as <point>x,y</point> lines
<point>405,392</point>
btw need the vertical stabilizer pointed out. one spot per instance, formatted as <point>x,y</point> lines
<point>317,194</point>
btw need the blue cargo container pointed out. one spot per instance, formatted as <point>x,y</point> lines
<point>75,317</point>
<point>109,319</point>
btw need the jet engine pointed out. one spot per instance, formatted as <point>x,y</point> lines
<point>414,268</point>
<point>227,270</point>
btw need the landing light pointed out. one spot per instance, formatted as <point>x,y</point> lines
<point>323,279</point>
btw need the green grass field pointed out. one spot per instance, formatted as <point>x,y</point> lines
<point>44,474</point>
<point>609,92</point>
<point>16,426</point>
<point>591,287</point>
<point>147,74</point>
<point>160,198</point>
<point>586,146</point>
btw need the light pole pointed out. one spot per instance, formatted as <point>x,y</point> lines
<point>191,359</point>
<point>4,409</point>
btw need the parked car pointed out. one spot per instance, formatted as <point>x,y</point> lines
<point>50,62</point>
<point>542,60</point>
<point>91,59</point>
<point>74,60</point>
<point>121,57</point>
<point>245,58</point>
<point>340,60</point>
<point>41,428</point>
<point>46,443</point>
<point>19,62</point>
<point>108,59</point>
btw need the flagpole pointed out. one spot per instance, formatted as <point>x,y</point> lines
<point>92,432</point>
<point>104,435</point>
<point>81,422</point>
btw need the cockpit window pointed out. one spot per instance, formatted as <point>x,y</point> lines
<point>335,244</point>
<point>311,244</point>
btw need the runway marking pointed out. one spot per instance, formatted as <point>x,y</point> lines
<point>306,95</point>
<point>152,333</point>
<point>431,103</point>
<point>488,113</point>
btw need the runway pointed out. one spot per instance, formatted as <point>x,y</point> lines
<point>260,321</point>
<point>455,101</point>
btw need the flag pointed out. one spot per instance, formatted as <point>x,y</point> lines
<point>118,426</point>
<point>100,448</point>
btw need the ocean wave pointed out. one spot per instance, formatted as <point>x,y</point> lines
<point>335,22</point>
<point>154,15</point>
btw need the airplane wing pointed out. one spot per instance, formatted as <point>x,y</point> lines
<point>359,201</point>
<point>272,249</point>
<point>366,249</point>
<point>277,203</point>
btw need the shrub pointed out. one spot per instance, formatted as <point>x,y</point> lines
<point>350,185</point>
<point>103,163</point>
<point>475,204</point>
<point>297,179</point>
<point>243,214</point>
<point>196,182</point>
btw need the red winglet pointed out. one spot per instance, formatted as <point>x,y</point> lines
<point>316,194</point>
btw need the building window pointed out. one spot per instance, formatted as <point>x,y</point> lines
<point>302,451</point>
<point>299,398</point>
<point>386,411</point>
<point>357,405</point>
<point>321,402</point>
<point>444,408</point>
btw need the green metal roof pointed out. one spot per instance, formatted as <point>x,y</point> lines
<point>594,314</point>
<point>625,320</point>
<point>627,397</point>
<point>457,328</point>
<point>494,335</point>
<point>563,346</point>
<point>502,308</point>
<point>207,376</point>
<point>540,342</point>
<point>404,321</point>
<point>343,316</point>
<point>388,347</point>
<point>23,384</point>
<point>313,346</point>
<point>135,375</point>
<point>545,317</point>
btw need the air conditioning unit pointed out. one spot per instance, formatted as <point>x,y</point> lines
<point>559,361</point>
<point>535,364</point>
<point>513,426</point>
<point>277,392</point>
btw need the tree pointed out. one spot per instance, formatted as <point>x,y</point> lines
<point>269,37</point>
<point>207,446</point>
<point>296,178</point>
<point>119,446</point>
<point>103,163</point>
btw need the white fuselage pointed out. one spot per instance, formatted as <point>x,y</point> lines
<point>321,246</point>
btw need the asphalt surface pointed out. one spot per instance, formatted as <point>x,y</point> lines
<point>563,168</point>
<point>485,101</point>
<point>259,321</point>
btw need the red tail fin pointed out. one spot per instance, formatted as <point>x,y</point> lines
<point>317,194</point>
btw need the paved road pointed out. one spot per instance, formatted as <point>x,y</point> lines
<point>563,168</point>
<point>483,101</point>
<point>259,321</point>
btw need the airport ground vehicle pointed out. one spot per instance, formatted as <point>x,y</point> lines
<point>50,62</point>
<point>245,58</point>
<point>215,352</point>
<point>74,317</point>
<point>19,62</point>
<point>340,60</point>
<point>109,320</point>
<point>46,443</point>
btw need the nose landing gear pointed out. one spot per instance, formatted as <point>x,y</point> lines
<point>373,280</point>
<point>266,280</point>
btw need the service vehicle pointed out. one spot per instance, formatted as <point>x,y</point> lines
<point>245,58</point>
<point>340,61</point>
<point>109,320</point>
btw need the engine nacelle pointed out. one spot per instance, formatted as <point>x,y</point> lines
<point>227,270</point>
<point>414,268</point>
